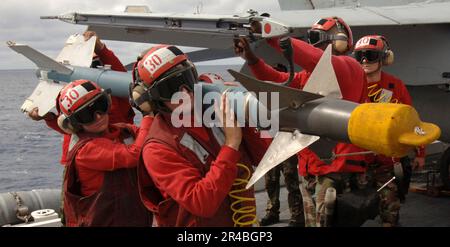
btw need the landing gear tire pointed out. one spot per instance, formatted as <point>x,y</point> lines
<point>445,169</point>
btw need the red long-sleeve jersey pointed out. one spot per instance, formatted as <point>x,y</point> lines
<point>107,153</point>
<point>353,84</point>
<point>120,112</point>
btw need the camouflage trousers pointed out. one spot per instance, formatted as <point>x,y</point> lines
<point>314,188</point>
<point>389,206</point>
<point>272,179</point>
<point>313,191</point>
<point>61,206</point>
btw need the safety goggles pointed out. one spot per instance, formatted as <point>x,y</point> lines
<point>316,36</point>
<point>86,114</point>
<point>164,88</point>
<point>371,56</point>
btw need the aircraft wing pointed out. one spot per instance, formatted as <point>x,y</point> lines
<point>217,31</point>
<point>417,13</point>
<point>178,29</point>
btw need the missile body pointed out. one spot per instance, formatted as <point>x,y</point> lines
<point>381,128</point>
<point>117,81</point>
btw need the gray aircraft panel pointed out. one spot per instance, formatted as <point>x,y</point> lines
<point>207,40</point>
<point>217,31</point>
<point>321,4</point>
<point>420,13</point>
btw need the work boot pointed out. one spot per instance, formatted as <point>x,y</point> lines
<point>297,223</point>
<point>270,219</point>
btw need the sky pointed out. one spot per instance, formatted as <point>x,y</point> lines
<point>20,22</point>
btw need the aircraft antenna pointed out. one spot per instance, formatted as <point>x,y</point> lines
<point>199,8</point>
<point>312,4</point>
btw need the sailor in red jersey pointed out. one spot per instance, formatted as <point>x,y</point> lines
<point>121,111</point>
<point>373,52</point>
<point>191,176</point>
<point>317,174</point>
<point>100,183</point>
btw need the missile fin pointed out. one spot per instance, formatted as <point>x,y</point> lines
<point>283,146</point>
<point>323,79</point>
<point>288,95</point>
<point>77,51</point>
<point>42,61</point>
<point>43,97</point>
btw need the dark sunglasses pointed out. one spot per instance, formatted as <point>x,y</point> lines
<point>86,114</point>
<point>371,56</point>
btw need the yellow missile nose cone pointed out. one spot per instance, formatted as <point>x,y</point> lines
<point>389,129</point>
<point>423,134</point>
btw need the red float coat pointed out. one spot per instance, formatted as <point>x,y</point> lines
<point>352,82</point>
<point>100,185</point>
<point>120,112</point>
<point>186,174</point>
<point>389,89</point>
<point>107,153</point>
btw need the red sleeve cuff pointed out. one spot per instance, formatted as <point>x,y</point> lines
<point>228,154</point>
<point>103,51</point>
<point>146,122</point>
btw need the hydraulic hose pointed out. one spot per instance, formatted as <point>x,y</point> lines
<point>242,215</point>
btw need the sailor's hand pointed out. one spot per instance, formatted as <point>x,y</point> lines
<point>99,45</point>
<point>418,163</point>
<point>242,49</point>
<point>255,27</point>
<point>233,133</point>
<point>34,114</point>
<point>145,107</point>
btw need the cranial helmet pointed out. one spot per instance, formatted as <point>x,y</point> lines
<point>160,73</point>
<point>374,48</point>
<point>78,102</point>
<point>342,40</point>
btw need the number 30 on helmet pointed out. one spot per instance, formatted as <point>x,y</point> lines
<point>374,48</point>
<point>160,73</point>
<point>78,103</point>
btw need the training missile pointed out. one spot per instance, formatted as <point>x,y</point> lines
<point>301,116</point>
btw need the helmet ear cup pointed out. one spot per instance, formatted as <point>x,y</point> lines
<point>65,125</point>
<point>341,45</point>
<point>145,105</point>
<point>388,58</point>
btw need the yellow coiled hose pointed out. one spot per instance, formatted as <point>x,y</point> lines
<point>245,215</point>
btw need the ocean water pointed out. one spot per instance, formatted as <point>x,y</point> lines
<point>29,150</point>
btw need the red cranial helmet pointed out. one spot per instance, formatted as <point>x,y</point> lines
<point>161,72</point>
<point>81,99</point>
<point>157,61</point>
<point>373,48</point>
<point>342,40</point>
<point>76,94</point>
<point>371,42</point>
